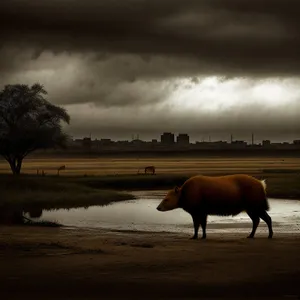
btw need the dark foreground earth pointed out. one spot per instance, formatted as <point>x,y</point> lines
<point>57,263</point>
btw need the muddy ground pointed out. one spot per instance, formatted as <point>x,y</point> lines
<point>59,263</point>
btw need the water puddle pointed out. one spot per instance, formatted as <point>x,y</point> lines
<point>141,215</point>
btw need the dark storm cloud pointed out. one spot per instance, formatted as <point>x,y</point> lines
<point>130,66</point>
<point>117,80</point>
<point>222,36</point>
<point>264,122</point>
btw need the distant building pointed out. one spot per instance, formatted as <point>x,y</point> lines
<point>266,143</point>
<point>105,141</point>
<point>167,138</point>
<point>183,139</point>
<point>238,143</point>
<point>296,142</point>
<point>122,142</point>
<point>87,142</point>
<point>137,142</point>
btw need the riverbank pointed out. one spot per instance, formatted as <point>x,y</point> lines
<point>100,181</point>
<point>32,192</point>
<point>92,264</point>
<point>281,184</point>
<point>53,192</point>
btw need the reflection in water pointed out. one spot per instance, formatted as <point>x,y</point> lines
<point>10,215</point>
<point>35,212</point>
<point>141,214</point>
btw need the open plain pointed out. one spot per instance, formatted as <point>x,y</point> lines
<point>163,165</point>
<point>62,263</point>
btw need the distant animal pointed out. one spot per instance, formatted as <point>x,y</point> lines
<point>42,172</point>
<point>227,195</point>
<point>150,169</point>
<point>60,169</point>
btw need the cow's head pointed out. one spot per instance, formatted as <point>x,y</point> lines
<point>170,201</point>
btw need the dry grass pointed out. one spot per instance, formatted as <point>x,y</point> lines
<point>109,166</point>
<point>107,175</point>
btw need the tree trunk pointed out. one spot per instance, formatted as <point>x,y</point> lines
<point>16,165</point>
<point>19,165</point>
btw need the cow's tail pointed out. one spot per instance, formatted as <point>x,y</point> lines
<point>266,203</point>
<point>264,184</point>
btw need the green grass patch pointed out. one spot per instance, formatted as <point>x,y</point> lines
<point>133,182</point>
<point>286,187</point>
<point>279,185</point>
<point>53,193</point>
<point>282,171</point>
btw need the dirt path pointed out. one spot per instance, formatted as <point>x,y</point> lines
<point>55,263</point>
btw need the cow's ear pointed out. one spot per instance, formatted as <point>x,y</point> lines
<point>176,189</point>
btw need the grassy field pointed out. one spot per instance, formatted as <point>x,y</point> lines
<point>51,193</point>
<point>101,181</point>
<point>179,165</point>
<point>101,262</point>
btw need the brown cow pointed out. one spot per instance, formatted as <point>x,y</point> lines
<point>201,196</point>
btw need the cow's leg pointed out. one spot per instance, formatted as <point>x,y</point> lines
<point>264,216</point>
<point>196,222</point>
<point>255,220</point>
<point>203,221</point>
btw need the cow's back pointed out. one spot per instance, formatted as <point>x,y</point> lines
<point>220,195</point>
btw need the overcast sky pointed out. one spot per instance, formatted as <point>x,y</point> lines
<point>205,67</point>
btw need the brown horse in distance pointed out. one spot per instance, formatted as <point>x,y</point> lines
<point>150,169</point>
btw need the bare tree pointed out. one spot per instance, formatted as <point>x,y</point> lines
<point>28,122</point>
